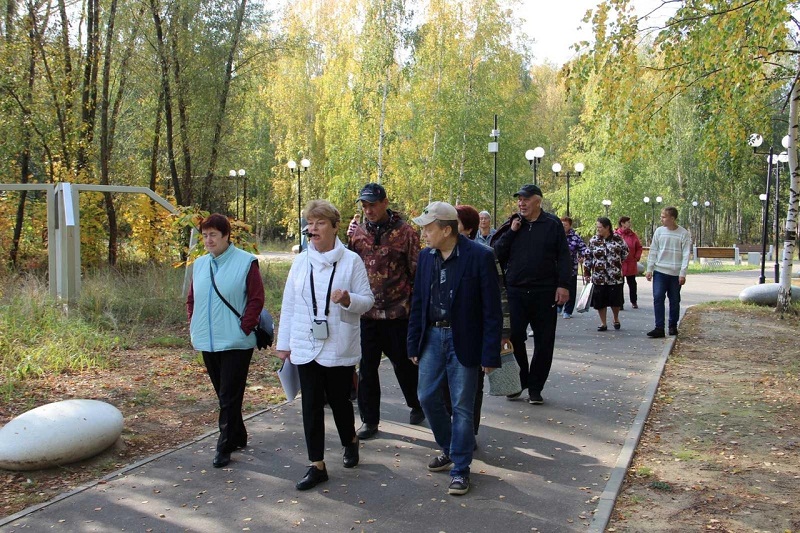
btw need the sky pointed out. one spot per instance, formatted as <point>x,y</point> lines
<point>554,25</point>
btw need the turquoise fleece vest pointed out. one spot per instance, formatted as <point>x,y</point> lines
<point>214,327</point>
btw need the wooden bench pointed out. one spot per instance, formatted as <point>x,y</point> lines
<point>714,252</point>
<point>749,248</point>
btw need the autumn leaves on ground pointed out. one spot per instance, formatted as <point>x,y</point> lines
<point>721,448</point>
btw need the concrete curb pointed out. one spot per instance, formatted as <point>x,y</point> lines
<point>121,472</point>
<point>608,498</point>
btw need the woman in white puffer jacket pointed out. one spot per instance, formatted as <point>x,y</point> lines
<point>320,332</point>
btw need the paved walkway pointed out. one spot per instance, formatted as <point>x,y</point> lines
<point>555,467</point>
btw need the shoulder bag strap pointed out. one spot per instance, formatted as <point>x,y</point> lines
<point>235,312</point>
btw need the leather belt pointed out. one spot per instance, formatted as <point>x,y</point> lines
<point>440,324</point>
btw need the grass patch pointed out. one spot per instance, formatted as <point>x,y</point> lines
<point>700,268</point>
<point>661,485</point>
<point>686,455</point>
<point>644,471</point>
<point>37,337</point>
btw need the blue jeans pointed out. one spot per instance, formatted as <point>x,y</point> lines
<point>664,286</point>
<point>438,362</point>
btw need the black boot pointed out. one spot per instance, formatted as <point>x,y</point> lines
<point>350,457</point>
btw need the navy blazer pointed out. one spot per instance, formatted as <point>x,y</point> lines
<point>476,315</point>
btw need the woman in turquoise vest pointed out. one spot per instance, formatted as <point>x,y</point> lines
<point>225,340</point>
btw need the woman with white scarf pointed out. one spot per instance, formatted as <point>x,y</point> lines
<point>325,295</point>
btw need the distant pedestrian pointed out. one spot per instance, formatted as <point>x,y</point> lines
<point>630,266</point>
<point>389,247</point>
<point>532,247</point>
<point>225,340</point>
<point>667,263</point>
<point>603,259</point>
<point>576,251</point>
<point>454,331</point>
<point>485,229</point>
<point>326,293</point>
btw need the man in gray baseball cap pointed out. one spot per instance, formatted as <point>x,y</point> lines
<point>454,328</point>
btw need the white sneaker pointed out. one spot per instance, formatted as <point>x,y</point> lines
<point>567,315</point>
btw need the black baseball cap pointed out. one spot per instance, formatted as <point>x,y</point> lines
<point>529,190</point>
<point>372,192</point>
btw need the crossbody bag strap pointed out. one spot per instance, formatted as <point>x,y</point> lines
<point>235,312</point>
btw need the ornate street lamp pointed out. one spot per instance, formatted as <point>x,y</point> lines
<point>754,141</point>
<point>304,164</point>
<point>646,200</point>
<point>578,171</point>
<point>236,176</point>
<point>534,157</point>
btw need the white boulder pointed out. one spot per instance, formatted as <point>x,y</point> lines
<point>59,433</point>
<point>763,294</point>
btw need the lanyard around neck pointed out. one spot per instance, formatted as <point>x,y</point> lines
<point>327,297</point>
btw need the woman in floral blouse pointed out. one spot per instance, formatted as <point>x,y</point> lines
<point>603,259</point>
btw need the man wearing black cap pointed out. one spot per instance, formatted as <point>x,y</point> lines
<point>389,248</point>
<point>532,248</point>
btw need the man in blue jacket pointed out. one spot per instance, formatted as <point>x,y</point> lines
<point>454,329</point>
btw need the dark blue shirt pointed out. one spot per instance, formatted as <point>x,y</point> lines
<point>442,285</point>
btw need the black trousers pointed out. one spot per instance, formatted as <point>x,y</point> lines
<point>537,308</point>
<point>379,337</point>
<point>632,288</point>
<point>569,307</point>
<point>228,372</point>
<point>317,383</point>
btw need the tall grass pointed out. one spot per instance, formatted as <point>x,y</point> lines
<point>116,307</point>
<point>37,337</point>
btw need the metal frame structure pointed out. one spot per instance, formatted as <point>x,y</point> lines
<point>64,230</point>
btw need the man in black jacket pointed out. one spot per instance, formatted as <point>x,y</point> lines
<point>533,251</point>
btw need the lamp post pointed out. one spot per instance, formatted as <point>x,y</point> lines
<point>494,147</point>
<point>534,157</point>
<point>754,141</point>
<point>694,217</point>
<point>233,176</point>
<point>706,205</point>
<point>646,200</point>
<point>578,171</point>
<point>606,204</point>
<point>304,164</point>
<point>763,198</point>
<point>783,158</point>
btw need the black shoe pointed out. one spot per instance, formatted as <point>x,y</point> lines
<point>535,398</point>
<point>416,417</point>
<point>440,462</point>
<point>635,305</point>
<point>221,459</point>
<point>367,431</point>
<point>458,485</point>
<point>350,457</point>
<point>602,328</point>
<point>657,333</point>
<point>617,325</point>
<point>313,477</point>
<point>673,330</point>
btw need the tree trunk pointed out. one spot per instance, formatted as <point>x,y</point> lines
<point>790,238</point>
<point>183,117</point>
<point>105,137</point>
<point>382,123</point>
<point>223,100</point>
<point>89,90</point>
<point>25,156</point>
<point>165,89</point>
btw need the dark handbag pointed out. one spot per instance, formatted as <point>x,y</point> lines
<point>264,330</point>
